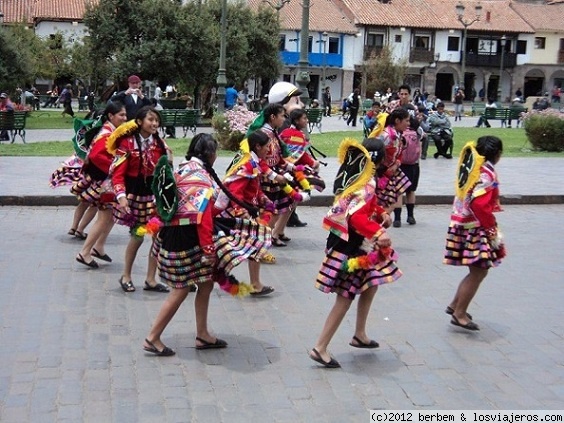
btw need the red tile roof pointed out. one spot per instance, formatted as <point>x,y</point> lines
<point>324,15</point>
<point>497,16</point>
<point>17,11</point>
<point>60,10</point>
<point>54,10</point>
<point>542,17</point>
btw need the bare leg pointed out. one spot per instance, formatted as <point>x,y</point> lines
<point>151,268</point>
<point>362,310</point>
<point>166,313</point>
<point>87,218</point>
<point>466,291</point>
<point>254,275</point>
<point>79,211</point>
<point>201,305</point>
<point>332,323</point>
<point>98,234</point>
<point>280,224</point>
<point>130,254</point>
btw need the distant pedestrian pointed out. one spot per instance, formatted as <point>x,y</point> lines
<point>133,98</point>
<point>66,99</point>
<point>473,238</point>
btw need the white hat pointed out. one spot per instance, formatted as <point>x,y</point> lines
<point>281,92</point>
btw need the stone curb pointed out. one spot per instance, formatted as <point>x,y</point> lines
<point>315,201</point>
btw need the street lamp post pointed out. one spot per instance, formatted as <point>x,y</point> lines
<point>465,23</point>
<point>302,78</point>
<point>221,73</point>
<point>500,88</point>
<point>324,35</point>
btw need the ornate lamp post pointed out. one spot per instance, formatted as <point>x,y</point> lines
<point>465,23</point>
<point>221,73</point>
<point>302,78</point>
<point>500,88</point>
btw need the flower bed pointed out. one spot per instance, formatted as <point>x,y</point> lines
<point>231,127</point>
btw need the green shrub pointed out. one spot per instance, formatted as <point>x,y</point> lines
<point>545,129</point>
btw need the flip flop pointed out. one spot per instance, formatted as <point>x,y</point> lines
<point>92,264</point>
<point>359,344</point>
<point>71,232</point>
<point>104,257</point>
<point>331,364</point>
<point>159,287</point>
<point>278,243</point>
<point>450,310</point>
<point>284,238</point>
<point>264,291</point>
<point>126,286</point>
<point>468,326</point>
<point>219,343</point>
<point>165,352</point>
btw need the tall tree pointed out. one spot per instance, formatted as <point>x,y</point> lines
<point>382,71</point>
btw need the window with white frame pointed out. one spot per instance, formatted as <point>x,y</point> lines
<point>540,43</point>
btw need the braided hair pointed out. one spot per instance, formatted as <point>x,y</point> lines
<point>203,147</point>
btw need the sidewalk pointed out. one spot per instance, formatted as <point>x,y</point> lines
<point>24,180</point>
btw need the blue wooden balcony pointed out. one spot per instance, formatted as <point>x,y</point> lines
<point>291,58</point>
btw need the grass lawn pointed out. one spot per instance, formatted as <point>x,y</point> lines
<point>514,139</point>
<point>50,119</point>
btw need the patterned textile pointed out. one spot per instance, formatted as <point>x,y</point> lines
<point>332,279</point>
<point>396,186</point>
<point>195,190</point>
<point>68,173</point>
<point>238,240</point>
<point>469,246</point>
<point>94,192</point>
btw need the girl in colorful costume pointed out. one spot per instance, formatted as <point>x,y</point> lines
<point>243,181</point>
<point>190,251</point>
<point>91,190</point>
<point>137,148</point>
<point>358,257</point>
<point>392,182</point>
<point>297,141</point>
<point>473,237</point>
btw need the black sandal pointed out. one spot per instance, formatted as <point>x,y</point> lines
<point>165,352</point>
<point>126,286</point>
<point>80,235</point>
<point>284,238</point>
<point>71,232</point>
<point>277,243</point>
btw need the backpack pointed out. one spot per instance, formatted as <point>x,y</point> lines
<point>164,189</point>
<point>412,149</point>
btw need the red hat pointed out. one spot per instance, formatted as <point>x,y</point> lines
<point>134,79</point>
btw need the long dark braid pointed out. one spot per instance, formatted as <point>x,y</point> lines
<point>201,148</point>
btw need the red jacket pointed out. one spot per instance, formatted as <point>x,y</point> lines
<point>129,162</point>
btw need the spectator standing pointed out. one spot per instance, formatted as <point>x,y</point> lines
<point>555,94</point>
<point>326,98</point>
<point>354,105</point>
<point>158,93</point>
<point>231,97</point>
<point>458,101</point>
<point>132,98</point>
<point>66,99</point>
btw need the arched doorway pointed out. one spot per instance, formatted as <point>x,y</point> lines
<point>444,83</point>
<point>534,83</point>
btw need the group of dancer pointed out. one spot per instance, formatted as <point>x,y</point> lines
<point>202,227</point>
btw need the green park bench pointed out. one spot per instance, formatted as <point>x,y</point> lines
<point>175,104</point>
<point>188,119</point>
<point>478,108</point>
<point>504,114</point>
<point>314,117</point>
<point>14,123</point>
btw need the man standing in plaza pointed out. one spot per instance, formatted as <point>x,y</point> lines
<point>133,98</point>
<point>326,102</point>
